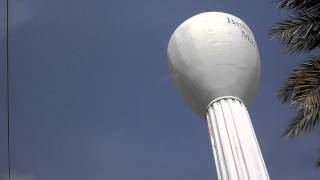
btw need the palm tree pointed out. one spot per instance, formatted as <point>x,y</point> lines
<point>301,33</point>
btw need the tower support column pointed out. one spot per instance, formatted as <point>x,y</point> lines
<point>234,143</point>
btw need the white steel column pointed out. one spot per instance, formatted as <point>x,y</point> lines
<point>234,143</point>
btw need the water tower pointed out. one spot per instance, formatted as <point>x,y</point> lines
<point>215,64</point>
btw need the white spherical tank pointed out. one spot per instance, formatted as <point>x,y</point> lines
<point>212,55</point>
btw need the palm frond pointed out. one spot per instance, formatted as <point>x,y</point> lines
<point>302,89</point>
<point>303,122</point>
<point>302,83</point>
<point>301,32</point>
<point>299,4</point>
<point>317,164</point>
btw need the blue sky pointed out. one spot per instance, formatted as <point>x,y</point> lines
<point>91,95</point>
